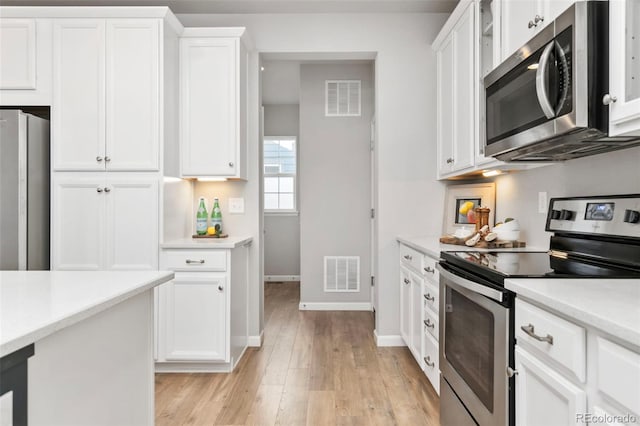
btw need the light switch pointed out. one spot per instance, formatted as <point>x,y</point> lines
<point>542,202</point>
<point>236,205</point>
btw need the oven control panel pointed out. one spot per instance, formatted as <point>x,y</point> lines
<point>615,216</point>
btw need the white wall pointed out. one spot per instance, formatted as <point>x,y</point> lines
<point>611,173</point>
<point>335,191</point>
<point>282,231</point>
<point>405,110</point>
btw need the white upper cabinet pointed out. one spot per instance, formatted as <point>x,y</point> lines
<point>25,61</point>
<point>522,19</point>
<point>457,95</point>
<point>133,87</point>
<point>106,110</point>
<point>78,116</point>
<point>213,79</point>
<point>624,67</point>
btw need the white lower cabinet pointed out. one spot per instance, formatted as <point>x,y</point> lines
<point>419,310</point>
<point>569,373</point>
<point>544,396</point>
<point>202,316</point>
<point>104,222</point>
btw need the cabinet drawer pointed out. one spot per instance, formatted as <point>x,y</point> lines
<point>618,374</point>
<point>429,270</point>
<point>556,338</point>
<point>194,260</point>
<point>430,360</point>
<point>410,257</point>
<point>430,323</point>
<point>430,297</point>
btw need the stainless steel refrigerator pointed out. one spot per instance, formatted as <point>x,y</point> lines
<point>24,191</point>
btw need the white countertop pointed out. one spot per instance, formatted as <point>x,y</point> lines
<point>431,246</point>
<point>35,304</point>
<point>611,305</point>
<point>207,243</point>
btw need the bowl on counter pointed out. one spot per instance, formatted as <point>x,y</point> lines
<point>509,231</point>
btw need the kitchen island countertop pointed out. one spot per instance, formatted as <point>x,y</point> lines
<point>36,304</point>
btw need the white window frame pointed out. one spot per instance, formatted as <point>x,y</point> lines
<point>338,83</point>
<point>294,210</point>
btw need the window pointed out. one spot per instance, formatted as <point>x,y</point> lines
<point>280,167</point>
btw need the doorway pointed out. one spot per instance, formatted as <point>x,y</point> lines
<point>318,178</point>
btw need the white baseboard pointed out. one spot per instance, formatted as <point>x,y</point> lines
<point>256,341</point>
<point>336,306</point>
<point>281,278</point>
<point>388,340</point>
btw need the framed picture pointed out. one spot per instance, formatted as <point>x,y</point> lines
<point>461,202</point>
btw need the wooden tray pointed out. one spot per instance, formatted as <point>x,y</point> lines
<point>210,236</point>
<point>449,239</point>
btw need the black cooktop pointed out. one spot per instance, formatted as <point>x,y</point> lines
<point>496,266</point>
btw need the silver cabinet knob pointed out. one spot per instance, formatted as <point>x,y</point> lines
<point>430,269</point>
<point>531,25</point>
<point>98,190</point>
<point>98,159</point>
<point>538,19</point>
<point>429,324</point>
<point>608,99</point>
<point>408,256</point>
<point>107,189</point>
<point>427,360</point>
<point>511,372</point>
<point>107,158</point>
<point>230,163</point>
<point>429,297</point>
<point>220,288</point>
<point>406,281</point>
<point>449,160</point>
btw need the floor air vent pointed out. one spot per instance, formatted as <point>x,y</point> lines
<point>341,273</point>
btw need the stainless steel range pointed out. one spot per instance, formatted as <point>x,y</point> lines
<point>593,237</point>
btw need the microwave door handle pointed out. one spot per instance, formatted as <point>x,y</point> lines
<point>564,65</point>
<point>541,77</point>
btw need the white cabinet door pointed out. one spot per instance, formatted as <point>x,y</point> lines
<point>131,223</point>
<point>133,88</point>
<point>543,396</point>
<point>405,305</point>
<point>514,21</point>
<point>78,215</point>
<point>194,318</point>
<point>464,90</point>
<point>416,317</point>
<point>209,106</point>
<point>624,67</point>
<point>78,111</point>
<point>17,54</point>
<point>551,9</point>
<point>445,57</point>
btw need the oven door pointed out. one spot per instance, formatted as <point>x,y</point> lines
<point>474,348</point>
<point>531,99</point>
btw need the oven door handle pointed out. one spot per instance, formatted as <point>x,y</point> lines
<point>470,285</point>
<point>541,77</point>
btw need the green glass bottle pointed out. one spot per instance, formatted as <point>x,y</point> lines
<point>216,217</point>
<point>201,218</point>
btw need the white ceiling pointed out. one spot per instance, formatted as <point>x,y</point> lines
<point>263,6</point>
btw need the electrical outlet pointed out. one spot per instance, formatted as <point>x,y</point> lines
<point>236,205</point>
<point>542,202</point>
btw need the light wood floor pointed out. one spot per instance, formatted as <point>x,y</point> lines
<point>315,368</point>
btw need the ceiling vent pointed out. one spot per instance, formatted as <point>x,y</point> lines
<point>342,98</point>
<point>342,273</point>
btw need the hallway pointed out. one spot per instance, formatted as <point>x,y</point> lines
<point>315,368</point>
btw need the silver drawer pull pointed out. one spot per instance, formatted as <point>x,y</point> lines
<point>427,360</point>
<point>430,269</point>
<point>429,297</point>
<point>189,261</point>
<point>407,256</point>
<point>428,323</point>
<point>406,281</point>
<point>530,331</point>
<point>220,288</point>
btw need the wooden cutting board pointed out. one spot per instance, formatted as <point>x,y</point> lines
<point>449,239</point>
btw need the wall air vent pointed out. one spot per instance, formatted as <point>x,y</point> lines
<point>342,98</point>
<point>342,273</point>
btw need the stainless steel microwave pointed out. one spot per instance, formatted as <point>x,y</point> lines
<point>548,101</point>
